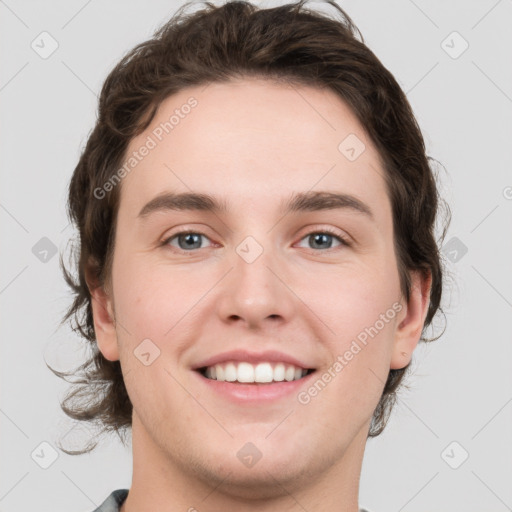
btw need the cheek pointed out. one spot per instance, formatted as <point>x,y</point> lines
<point>155,301</point>
<point>352,299</point>
<point>150,308</point>
<point>359,307</point>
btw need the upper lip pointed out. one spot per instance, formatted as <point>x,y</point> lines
<point>271,356</point>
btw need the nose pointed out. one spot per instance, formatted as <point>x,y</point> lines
<point>256,293</point>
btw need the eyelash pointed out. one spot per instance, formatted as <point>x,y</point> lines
<point>343,241</point>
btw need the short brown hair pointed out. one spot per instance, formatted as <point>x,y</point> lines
<point>215,44</point>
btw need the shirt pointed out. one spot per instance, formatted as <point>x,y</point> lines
<point>116,499</point>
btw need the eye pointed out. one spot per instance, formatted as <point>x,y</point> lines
<point>324,239</point>
<point>186,240</point>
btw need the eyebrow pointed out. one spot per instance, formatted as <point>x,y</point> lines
<point>298,202</point>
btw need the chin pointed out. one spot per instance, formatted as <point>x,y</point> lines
<point>265,480</point>
<point>268,477</point>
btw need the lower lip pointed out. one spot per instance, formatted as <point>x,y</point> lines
<point>255,393</point>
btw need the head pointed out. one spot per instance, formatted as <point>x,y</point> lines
<point>252,107</point>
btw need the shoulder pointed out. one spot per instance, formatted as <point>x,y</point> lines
<point>113,501</point>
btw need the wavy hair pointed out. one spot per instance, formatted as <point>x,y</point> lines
<point>215,44</point>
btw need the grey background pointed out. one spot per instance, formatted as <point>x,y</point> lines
<point>461,389</point>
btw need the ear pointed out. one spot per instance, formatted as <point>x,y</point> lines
<point>409,330</point>
<point>104,319</point>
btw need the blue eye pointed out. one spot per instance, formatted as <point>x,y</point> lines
<point>188,241</point>
<point>324,239</point>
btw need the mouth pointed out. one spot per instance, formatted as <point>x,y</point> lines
<point>241,372</point>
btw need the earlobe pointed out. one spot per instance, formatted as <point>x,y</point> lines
<point>408,332</point>
<point>104,322</point>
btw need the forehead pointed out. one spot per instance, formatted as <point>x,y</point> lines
<point>252,139</point>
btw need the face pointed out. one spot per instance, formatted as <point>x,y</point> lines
<point>266,286</point>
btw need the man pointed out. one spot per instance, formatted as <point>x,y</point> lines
<point>257,243</point>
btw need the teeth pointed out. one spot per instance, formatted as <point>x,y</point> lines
<point>279,372</point>
<point>230,372</point>
<point>263,373</point>
<point>244,372</point>
<point>249,373</point>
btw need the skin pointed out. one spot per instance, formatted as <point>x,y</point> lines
<point>253,142</point>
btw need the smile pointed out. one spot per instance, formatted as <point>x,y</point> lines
<point>261,373</point>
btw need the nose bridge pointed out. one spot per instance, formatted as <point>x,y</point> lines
<point>253,291</point>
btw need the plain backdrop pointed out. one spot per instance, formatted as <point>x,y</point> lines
<point>448,446</point>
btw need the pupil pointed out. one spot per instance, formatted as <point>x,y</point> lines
<point>321,237</point>
<point>190,239</point>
